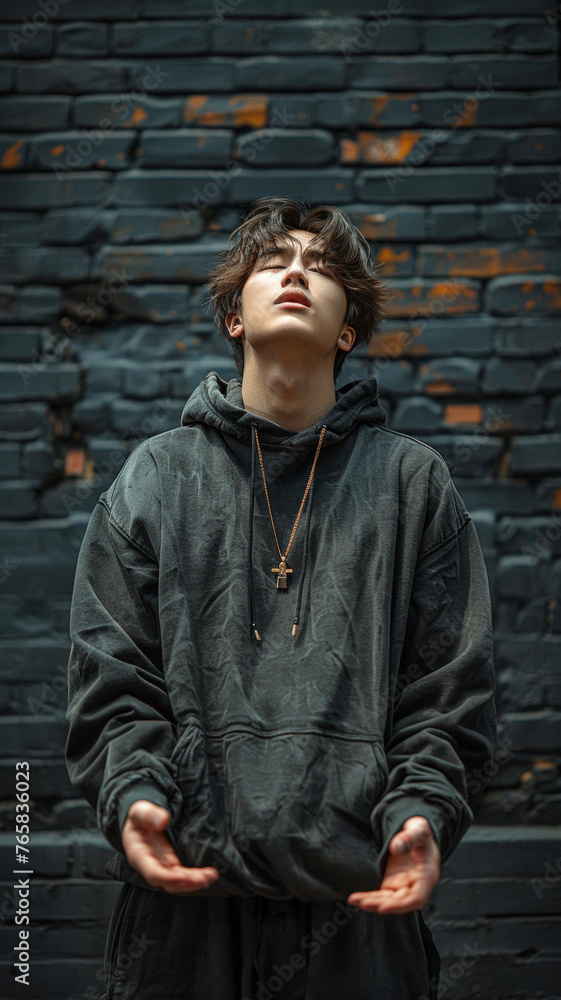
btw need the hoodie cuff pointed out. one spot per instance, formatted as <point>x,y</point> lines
<point>136,792</point>
<point>402,809</point>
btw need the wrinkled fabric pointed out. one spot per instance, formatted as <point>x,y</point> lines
<point>287,764</point>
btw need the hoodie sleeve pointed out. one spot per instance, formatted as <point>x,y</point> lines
<point>443,733</point>
<point>121,725</point>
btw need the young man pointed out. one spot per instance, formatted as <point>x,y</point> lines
<point>281,674</point>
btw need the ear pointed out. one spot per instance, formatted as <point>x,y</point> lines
<point>234,324</point>
<point>346,338</point>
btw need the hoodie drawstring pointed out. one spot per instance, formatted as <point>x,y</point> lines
<point>305,556</point>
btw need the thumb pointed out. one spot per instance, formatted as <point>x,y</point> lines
<point>149,815</point>
<point>415,832</point>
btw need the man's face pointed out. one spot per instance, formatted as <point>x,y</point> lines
<point>315,329</point>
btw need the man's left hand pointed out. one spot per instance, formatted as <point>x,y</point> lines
<point>412,871</point>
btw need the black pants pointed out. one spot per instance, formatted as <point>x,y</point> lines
<point>162,946</point>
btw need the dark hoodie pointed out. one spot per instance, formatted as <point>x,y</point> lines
<point>287,763</point>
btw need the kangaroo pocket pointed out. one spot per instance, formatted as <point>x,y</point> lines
<point>280,814</point>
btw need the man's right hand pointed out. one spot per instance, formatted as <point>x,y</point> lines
<point>149,851</point>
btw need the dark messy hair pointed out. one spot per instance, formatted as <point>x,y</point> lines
<point>337,241</point>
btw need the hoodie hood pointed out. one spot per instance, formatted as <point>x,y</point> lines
<point>220,404</point>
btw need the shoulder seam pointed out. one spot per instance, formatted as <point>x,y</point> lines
<point>125,534</point>
<point>409,437</point>
<point>446,540</point>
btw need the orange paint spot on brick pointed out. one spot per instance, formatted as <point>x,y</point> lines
<point>13,155</point>
<point>538,145</point>
<point>74,463</point>
<point>463,413</point>
<point>349,151</point>
<point>527,286</point>
<point>387,149</point>
<point>57,150</point>
<point>392,258</point>
<point>138,116</point>
<point>339,186</point>
<point>557,498</point>
<point>120,156</point>
<point>436,387</point>
<point>390,343</point>
<point>530,304</point>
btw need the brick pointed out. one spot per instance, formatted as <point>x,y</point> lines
<point>545,108</point>
<point>187,147</point>
<point>331,185</point>
<point>393,376</point>
<point>38,459</point>
<point>127,111</point>
<point>34,114</point>
<point>416,414</point>
<point>348,36</point>
<point>237,110</point>
<point>76,225</point>
<point>505,71</point>
<point>285,73</point>
<point>528,182</point>
<point>452,222</point>
<point>463,335</point>
<point>25,264</point>
<point>501,496</point>
<point>172,38</point>
<point>20,343</point>
<point>157,303</point>
<point>521,576</point>
<point>10,452</point>
<point>462,146</point>
<point>83,151</point>
<point>508,375</point>
<point>465,110</point>
<point>82,39</point>
<point>284,147</point>
<point>159,225</point>
<point>447,376</point>
<point>178,263</point>
<point>13,42</point>
<point>7,79</point>
<point>18,499</point>
<point>141,419</point>
<point>182,384</point>
<point>91,414</point>
<point>19,229</point>
<point>69,77</point>
<point>535,454</point>
<point>535,146</point>
<point>33,304</point>
<point>293,110</point>
<point>82,9</point>
<point>529,536</point>
<point>548,377</point>
<point>484,261</point>
<point>23,421</point>
<point>395,260</point>
<point>142,383</point>
<point>465,454</point>
<point>536,731</point>
<point>529,36</point>
<point>193,188</point>
<point>427,184</point>
<point>419,297</point>
<point>511,221</point>
<point>72,495</point>
<point>172,76</point>
<point>389,223</point>
<point>39,381</point>
<point>349,110</point>
<point>526,337</point>
<point>463,36</point>
<point>41,191</point>
<point>512,295</point>
<point>553,419</point>
<point>548,494</point>
<point>245,37</point>
<point>389,73</point>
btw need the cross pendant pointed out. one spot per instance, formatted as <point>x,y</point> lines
<point>282,578</point>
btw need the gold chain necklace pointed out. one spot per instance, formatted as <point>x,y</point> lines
<point>282,569</point>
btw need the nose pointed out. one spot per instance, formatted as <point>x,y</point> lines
<point>295,270</point>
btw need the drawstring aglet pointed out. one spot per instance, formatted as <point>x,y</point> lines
<point>295,627</point>
<point>257,636</point>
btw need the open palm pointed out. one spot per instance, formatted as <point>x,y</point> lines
<point>412,871</point>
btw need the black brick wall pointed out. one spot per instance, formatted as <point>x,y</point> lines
<point>133,136</point>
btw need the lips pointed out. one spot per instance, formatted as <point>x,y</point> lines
<point>294,296</point>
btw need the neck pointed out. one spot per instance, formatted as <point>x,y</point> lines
<point>293,398</point>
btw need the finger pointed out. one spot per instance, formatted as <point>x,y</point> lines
<point>178,878</point>
<point>414,833</point>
